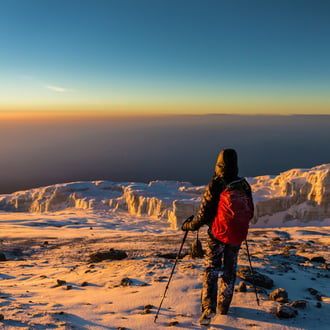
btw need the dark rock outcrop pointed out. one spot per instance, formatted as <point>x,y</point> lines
<point>173,323</point>
<point>126,282</point>
<point>112,254</point>
<point>286,311</point>
<point>279,295</point>
<point>259,279</point>
<point>147,309</point>
<point>312,291</point>
<point>299,304</point>
<point>172,255</point>
<point>318,259</point>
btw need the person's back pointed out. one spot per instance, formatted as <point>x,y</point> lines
<point>226,172</point>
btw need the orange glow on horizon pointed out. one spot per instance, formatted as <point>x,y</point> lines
<point>165,109</point>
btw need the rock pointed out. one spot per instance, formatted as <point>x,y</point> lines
<point>2,257</point>
<point>173,323</point>
<point>299,304</point>
<point>160,278</point>
<point>312,291</point>
<point>276,239</point>
<point>112,254</point>
<point>147,309</point>
<point>286,311</point>
<point>318,259</point>
<point>318,297</point>
<point>279,295</point>
<point>197,249</point>
<point>171,255</point>
<point>126,282</point>
<point>84,284</point>
<point>259,279</point>
<point>318,305</point>
<point>61,282</point>
<point>2,317</point>
<point>241,287</point>
<point>325,266</point>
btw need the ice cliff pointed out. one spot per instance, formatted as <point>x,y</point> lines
<point>293,197</point>
<point>297,195</point>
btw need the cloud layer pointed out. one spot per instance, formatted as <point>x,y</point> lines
<point>57,89</point>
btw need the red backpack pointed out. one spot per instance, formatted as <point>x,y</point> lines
<point>235,210</point>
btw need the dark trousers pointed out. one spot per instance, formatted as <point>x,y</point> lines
<point>215,251</point>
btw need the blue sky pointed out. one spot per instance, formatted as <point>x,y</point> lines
<point>182,56</point>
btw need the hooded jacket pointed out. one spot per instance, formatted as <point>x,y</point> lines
<point>226,171</point>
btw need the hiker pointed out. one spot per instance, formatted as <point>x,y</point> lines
<point>223,241</point>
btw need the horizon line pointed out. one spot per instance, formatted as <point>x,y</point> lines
<point>107,114</point>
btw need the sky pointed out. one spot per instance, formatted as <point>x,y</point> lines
<point>164,57</point>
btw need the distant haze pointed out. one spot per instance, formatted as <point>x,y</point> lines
<point>46,151</point>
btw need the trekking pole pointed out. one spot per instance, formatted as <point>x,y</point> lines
<point>252,273</point>
<point>176,261</point>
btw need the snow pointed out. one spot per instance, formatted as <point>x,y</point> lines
<point>48,233</point>
<point>293,197</point>
<point>29,298</point>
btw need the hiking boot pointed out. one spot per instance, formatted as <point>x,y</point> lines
<point>206,317</point>
<point>223,309</point>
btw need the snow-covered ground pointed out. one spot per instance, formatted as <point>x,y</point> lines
<point>44,248</point>
<point>48,279</point>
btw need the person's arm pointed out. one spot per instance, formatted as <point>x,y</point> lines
<point>208,208</point>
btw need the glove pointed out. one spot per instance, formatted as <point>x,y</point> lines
<point>185,226</point>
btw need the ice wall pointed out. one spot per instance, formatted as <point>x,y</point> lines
<point>296,195</point>
<point>158,199</point>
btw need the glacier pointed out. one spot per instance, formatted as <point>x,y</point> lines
<point>292,198</point>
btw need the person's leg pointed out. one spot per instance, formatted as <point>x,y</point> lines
<point>213,255</point>
<point>228,278</point>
